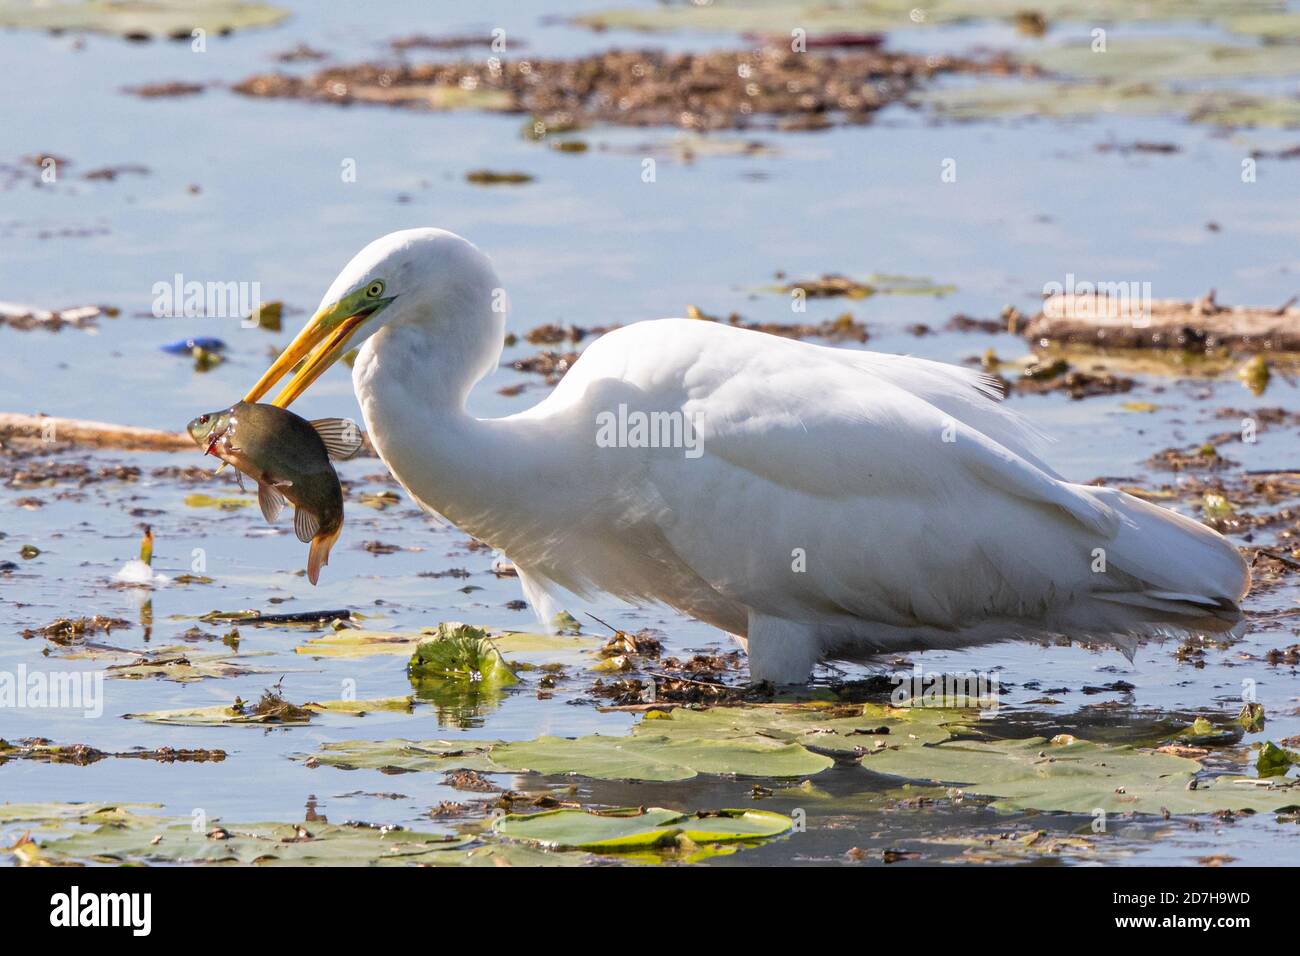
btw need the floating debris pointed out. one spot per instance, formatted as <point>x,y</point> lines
<point>1040,378</point>
<point>1103,321</point>
<point>699,91</point>
<point>833,285</point>
<point>83,755</point>
<point>150,91</point>
<point>25,318</point>
<point>67,630</point>
<point>488,177</point>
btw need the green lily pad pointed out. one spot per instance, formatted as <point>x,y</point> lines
<point>183,665</point>
<point>246,714</point>
<point>212,501</point>
<point>1057,100</point>
<point>643,757</point>
<point>56,814</point>
<point>307,844</point>
<point>771,740</point>
<point>139,19</point>
<point>1076,777</point>
<point>1202,733</point>
<point>407,756</point>
<point>779,17</point>
<point>1268,26</point>
<point>359,643</point>
<point>639,829</point>
<point>1166,58</point>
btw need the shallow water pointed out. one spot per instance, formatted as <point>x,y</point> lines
<point>586,243</point>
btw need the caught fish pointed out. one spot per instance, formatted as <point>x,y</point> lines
<point>289,458</point>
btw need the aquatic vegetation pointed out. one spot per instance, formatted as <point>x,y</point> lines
<point>174,19</point>
<point>639,828</point>
<point>920,744</point>
<point>461,653</point>
<point>1133,59</point>
<point>180,664</point>
<point>1224,108</point>
<point>82,755</point>
<point>271,709</point>
<point>782,89</point>
<point>774,17</point>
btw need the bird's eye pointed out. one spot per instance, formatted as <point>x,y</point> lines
<point>375,289</point>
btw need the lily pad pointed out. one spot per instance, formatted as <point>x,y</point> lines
<point>407,756</point>
<point>306,844</point>
<point>212,501</point>
<point>183,665</point>
<point>779,17</point>
<point>1065,100</point>
<point>240,713</point>
<point>771,740</point>
<point>139,19</point>
<point>57,814</point>
<point>1077,777</point>
<point>359,643</point>
<point>643,757</point>
<point>638,828</point>
<point>1166,58</point>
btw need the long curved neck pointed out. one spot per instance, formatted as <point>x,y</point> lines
<point>412,384</point>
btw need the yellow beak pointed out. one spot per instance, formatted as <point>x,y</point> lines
<point>322,342</point>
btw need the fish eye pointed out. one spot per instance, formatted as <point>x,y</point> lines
<point>375,289</point>
<point>203,419</point>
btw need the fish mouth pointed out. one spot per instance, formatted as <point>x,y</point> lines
<point>321,343</point>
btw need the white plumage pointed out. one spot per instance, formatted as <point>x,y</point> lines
<point>838,502</point>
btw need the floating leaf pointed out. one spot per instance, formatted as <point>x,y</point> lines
<point>139,19</point>
<point>1059,100</point>
<point>359,643</point>
<point>211,501</point>
<point>307,844</point>
<point>1081,777</point>
<point>56,814</point>
<point>181,664</point>
<point>241,713</point>
<point>639,829</point>
<point>645,757</point>
<point>1203,733</point>
<point>1165,58</point>
<point>775,17</point>
<point>408,756</point>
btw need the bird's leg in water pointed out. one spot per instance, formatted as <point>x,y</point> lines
<point>780,651</point>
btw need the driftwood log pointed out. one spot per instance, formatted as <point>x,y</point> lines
<point>1105,321</point>
<point>79,432</point>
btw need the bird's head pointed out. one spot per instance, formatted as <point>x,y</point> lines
<point>429,276</point>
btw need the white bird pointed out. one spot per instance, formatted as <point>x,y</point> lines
<point>816,503</point>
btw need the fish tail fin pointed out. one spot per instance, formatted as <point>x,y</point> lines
<point>319,553</point>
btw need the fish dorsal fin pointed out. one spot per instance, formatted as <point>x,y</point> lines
<point>270,501</point>
<point>342,437</point>
<point>305,524</point>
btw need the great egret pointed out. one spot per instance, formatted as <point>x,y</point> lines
<point>814,502</point>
